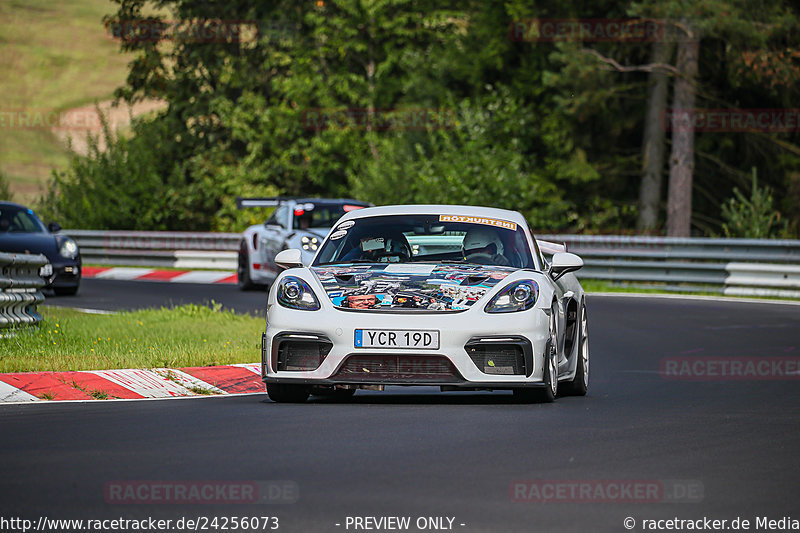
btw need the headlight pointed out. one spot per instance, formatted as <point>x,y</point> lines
<point>68,249</point>
<point>295,293</point>
<point>519,296</point>
<point>310,243</point>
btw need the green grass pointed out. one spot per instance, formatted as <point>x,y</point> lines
<point>53,56</point>
<point>189,335</point>
<point>597,285</point>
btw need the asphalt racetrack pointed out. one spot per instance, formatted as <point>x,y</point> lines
<point>713,448</point>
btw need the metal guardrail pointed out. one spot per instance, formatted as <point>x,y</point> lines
<point>173,249</point>
<point>730,266</point>
<point>740,267</point>
<point>20,289</point>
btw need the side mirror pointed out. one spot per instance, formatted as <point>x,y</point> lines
<point>290,258</point>
<point>564,262</point>
<point>54,227</point>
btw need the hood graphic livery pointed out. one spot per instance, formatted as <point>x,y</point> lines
<point>409,285</point>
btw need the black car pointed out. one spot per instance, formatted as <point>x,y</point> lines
<point>21,232</point>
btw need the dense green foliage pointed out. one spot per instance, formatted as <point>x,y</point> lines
<point>547,128</point>
<point>5,192</point>
<point>753,217</point>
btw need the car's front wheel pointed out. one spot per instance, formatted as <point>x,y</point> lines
<point>283,393</point>
<point>243,269</point>
<point>580,383</point>
<point>66,291</point>
<point>549,392</point>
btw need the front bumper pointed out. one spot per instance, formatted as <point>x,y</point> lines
<point>453,364</point>
<point>65,274</point>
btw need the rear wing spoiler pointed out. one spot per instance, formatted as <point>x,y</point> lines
<point>275,201</point>
<point>551,248</point>
<point>245,203</point>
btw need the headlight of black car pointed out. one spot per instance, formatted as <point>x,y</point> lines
<point>295,293</point>
<point>518,296</point>
<point>68,249</point>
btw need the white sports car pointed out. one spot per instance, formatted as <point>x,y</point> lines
<point>451,296</point>
<point>300,223</point>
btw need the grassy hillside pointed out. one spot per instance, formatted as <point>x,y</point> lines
<point>53,56</point>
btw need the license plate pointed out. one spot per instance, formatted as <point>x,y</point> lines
<point>412,339</point>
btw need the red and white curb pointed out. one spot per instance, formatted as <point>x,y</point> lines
<point>131,384</point>
<point>147,274</point>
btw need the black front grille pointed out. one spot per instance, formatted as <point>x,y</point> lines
<point>301,354</point>
<point>397,368</point>
<point>497,358</point>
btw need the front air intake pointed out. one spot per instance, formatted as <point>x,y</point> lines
<point>300,354</point>
<point>501,357</point>
<point>384,368</point>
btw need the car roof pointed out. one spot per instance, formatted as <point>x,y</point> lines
<point>12,204</point>
<point>439,209</point>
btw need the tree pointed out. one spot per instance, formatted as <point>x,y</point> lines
<point>737,27</point>
<point>653,142</point>
<point>681,161</point>
<point>754,217</point>
<point>302,102</point>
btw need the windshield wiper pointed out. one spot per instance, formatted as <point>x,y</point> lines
<point>445,261</point>
<point>348,262</point>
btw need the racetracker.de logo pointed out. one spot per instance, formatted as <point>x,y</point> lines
<point>587,30</point>
<point>730,368</point>
<point>50,119</point>
<point>607,491</point>
<point>200,492</point>
<point>377,119</point>
<point>162,240</point>
<point>732,120</point>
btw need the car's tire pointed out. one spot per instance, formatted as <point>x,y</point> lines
<point>284,393</point>
<point>66,291</point>
<point>580,383</point>
<point>549,392</point>
<point>243,269</point>
<point>337,394</point>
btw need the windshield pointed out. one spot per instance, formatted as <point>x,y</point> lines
<point>14,219</point>
<point>427,238</point>
<point>316,215</point>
